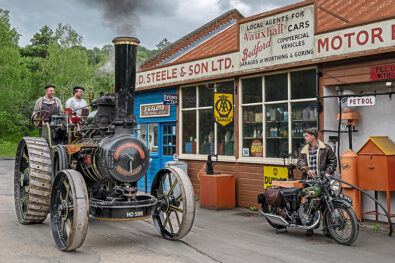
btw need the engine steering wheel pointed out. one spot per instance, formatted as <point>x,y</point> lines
<point>41,117</point>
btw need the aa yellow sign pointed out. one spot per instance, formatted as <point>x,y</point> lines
<point>223,108</point>
<point>271,173</point>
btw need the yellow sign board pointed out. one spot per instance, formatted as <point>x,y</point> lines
<point>223,108</point>
<point>273,173</point>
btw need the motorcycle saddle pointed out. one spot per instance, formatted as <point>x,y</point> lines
<point>290,191</point>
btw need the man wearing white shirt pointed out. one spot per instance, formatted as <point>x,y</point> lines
<point>77,103</point>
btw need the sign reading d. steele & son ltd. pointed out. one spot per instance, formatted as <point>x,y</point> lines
<point>282,38</point>
<point>187,71</point>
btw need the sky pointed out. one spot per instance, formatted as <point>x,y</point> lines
<point>99,21</point>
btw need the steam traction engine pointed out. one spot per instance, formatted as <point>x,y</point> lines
<point>90,165</point>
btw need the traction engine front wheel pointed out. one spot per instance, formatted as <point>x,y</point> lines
<point>174,217</point>
<point>69,210</point>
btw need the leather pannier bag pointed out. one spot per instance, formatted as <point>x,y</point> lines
<point>273,196</point>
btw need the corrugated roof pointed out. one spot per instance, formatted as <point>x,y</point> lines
<point>192,40</point>
<point>384,143</point>
<point>225,42</point>
<point>332,14</point>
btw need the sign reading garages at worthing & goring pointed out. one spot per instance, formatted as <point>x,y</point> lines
<point>283,38</point>
<point>223,108</point>
<point>154,110</point>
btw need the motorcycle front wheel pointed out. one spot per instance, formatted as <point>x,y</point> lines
<point>342,224</point>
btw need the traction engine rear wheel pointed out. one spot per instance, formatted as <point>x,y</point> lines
<point>173,189</point>
<point>32,180</point>
<point>69,210</point>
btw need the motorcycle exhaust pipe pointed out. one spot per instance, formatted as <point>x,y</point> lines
<point>279,220</point>
<point>313,226</point>
<point>275,219</point>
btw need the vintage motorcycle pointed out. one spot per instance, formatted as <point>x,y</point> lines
<point>304,207</point>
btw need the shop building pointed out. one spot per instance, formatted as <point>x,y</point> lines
<point>156,118</point>
<point>274,65</point>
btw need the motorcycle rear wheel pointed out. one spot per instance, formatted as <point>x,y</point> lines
<point>342,224</point>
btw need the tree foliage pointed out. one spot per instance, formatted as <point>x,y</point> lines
<point>53,57</point>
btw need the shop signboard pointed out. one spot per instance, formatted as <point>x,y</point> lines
<point>383,72</point>
<point>362,38</point>
<point>154,110</point>
<point>361,101</point>
<point>282,38</point>
<point>171,99</point>
<point>188,71</point>
<point>273,173</point>
<point>223,108</point>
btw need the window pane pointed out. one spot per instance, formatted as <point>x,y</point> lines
<point>153,137</point>
<point>189,131</point>
<point>226,139</point>
<point>225,87</point>
<point>142,133</point>
<point>206,95</point>
<point>276,87</point>
<point>276,130</point>
<point>189,97</point>
<point>304,116</point>
<point>303,84</point>
<point>252,131</point>
<point>252,90</point>
<point>206,132</point>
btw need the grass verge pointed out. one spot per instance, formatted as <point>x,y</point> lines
<point>9,144</point>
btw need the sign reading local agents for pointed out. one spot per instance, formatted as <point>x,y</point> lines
<point>273,173</point>
<point>361,101</point>
<point>223,108</point>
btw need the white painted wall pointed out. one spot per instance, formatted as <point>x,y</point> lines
<point>377,120</point>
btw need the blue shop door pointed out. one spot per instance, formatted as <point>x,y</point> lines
<point>169,142</point>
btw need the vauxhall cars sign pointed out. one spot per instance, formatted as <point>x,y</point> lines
<point>283,38</point>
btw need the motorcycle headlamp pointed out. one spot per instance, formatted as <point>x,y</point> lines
<point>335,187</point>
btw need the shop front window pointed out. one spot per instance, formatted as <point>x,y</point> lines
<point>142,133</point>
<point>189,131</point>
<point>276,109</point>
<point>153,137</point>
<point>276,130</point>
<point>198,117</point>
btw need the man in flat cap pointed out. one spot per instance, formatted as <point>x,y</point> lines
<point>77,103</point>
<point>316,156</point>
<point>49,102</point>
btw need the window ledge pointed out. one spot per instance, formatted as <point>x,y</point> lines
<point>257,160</point>
<point>221,158</point>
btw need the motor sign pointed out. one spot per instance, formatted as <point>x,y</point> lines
<point>361,101</point>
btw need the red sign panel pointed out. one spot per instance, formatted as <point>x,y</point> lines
<point>382,72</point>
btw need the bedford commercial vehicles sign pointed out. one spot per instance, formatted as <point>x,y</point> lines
<point>283,38</point>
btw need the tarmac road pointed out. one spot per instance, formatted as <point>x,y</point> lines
<point>237,235</point>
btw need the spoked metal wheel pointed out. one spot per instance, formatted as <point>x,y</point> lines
<point>32,180</point>
<point>60,160</point>
<point>342,224</point>
<point>174,217</point>
<point>69,210</point>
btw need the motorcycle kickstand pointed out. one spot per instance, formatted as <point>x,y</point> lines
<point>279,231</point>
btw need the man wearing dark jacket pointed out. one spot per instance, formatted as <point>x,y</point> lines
<point>316,156</point>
